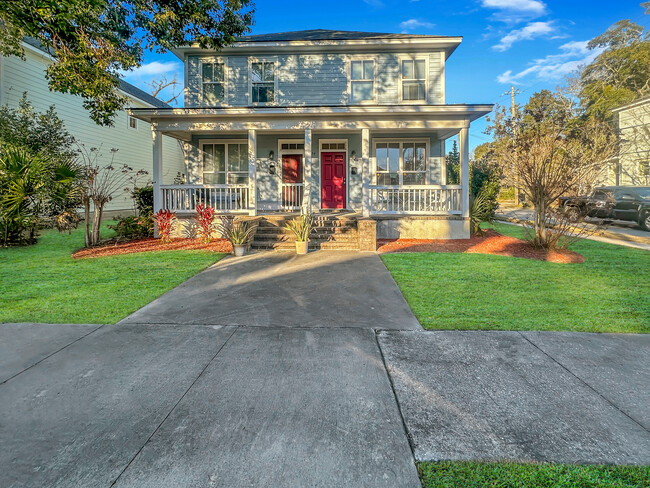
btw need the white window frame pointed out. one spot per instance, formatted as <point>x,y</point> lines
<point>203,142</point>
<point>217,60</point>
<point>273,60</point>
<point>374,79</point>
<point>426,79</point>
<point>401,142</point>
<point>128,122</point>
<point>347,168</point>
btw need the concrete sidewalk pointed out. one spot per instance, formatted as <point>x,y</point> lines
<point>281,289</point>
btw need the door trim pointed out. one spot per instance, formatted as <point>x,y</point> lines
<point>320,169</point>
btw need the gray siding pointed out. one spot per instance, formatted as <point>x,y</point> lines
<point>315,79</point>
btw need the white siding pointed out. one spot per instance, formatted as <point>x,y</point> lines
<point>317,79</point>
<point>134,146</point>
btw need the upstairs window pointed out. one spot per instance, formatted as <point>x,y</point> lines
<point>414,79</point>
<point>213,83</point>
<point>225,163</point>
<point>263,82</point>
<point>401,163</point>
<point>362,81</point>
<point>133,123</point>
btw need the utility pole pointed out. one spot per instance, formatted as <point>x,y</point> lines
<point>512,92</point>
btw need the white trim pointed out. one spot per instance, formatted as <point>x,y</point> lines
<point>130,118</point>
<point>414,57</point>
<point>443,83</point>
<point>361,57</point>
<point>202,142</point>
<point>263,59</point>
<point>320,168</point>
<point>226,72</point>
<point>401,141</point>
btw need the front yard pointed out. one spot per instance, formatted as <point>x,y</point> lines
<point>42,283</point>
<point>610,292</point>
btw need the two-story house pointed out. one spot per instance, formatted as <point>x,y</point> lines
<point>321,120</point>
<point>631,167</point>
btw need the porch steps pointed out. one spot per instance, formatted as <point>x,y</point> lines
<point>331,232</point>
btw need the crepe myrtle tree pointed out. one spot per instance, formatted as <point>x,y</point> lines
<point>93,41</point>
<point>551,150</point>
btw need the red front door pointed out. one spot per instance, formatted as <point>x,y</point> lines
<point>333,179</point>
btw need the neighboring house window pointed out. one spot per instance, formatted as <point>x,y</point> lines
<point>362,81</point>
<point>644,169</point>
<point>133,123</point>
<point>414,79</point>
<point>401,163</point>
<point>213,83</point>
<point>225,163</point>
<point>263,82</point>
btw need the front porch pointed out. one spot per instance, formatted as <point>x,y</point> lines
<point>382,165</point>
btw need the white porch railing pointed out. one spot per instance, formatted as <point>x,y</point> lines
<point>416,199</point>
<point>223,198</point>
<point>291,196</point>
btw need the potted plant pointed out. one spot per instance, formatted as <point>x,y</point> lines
<point>301,228</point>
<point>238,233</point>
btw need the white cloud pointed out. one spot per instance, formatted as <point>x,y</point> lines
<point>155,68</point>
<point>554,67</point>
<point>413,24</point>
<point>529,6</point>
<point>531,31</point>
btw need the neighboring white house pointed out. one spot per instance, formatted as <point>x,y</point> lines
<point>131,137</point>
<point>632,167</point>
<point>322,120</point>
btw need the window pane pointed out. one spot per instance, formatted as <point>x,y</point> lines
<point>256,69</point>
<point>393,157</point>
<point>419,69</point>
<point>408,157</point>
<point>214,178</point>
<point>237,178</point>
<point>269,71</point>
<point>356,70</point>
<point>218,72</point>
<point>361,90</point>
<point>208,161</point>
<point>414,178</point>
<point>421,91</point>
<point>420,157</point>
<point>233,157</point>
<point>243,157</point>
<point>407,70</point>
<point>381,155</point>
<point>383,179</point>
<point>207,72</point>
<point>219,157</point>
<point>213,93</point>
<point>412,91</point>
<point>368,70</point>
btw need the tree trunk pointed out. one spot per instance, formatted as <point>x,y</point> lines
<point>539,225</point>
<point>87,240</point>
<point>97,222</point>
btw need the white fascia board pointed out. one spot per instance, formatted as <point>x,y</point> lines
<point>636,103</point>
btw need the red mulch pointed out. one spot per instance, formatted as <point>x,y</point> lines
<point>151,244</point>
<point>489,243</point>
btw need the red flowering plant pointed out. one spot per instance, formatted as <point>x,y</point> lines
<point>165,221</point>
<point>205,219</point>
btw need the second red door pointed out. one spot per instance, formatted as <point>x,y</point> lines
<point>333,179</point>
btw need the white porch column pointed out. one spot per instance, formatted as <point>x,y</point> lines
<point>252,172</point>
<point>157,176</point>
<point>463,143</point>
<point>365,171</point>
<point>306,197</point>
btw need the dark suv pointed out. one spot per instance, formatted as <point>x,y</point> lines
<point>631,203</point>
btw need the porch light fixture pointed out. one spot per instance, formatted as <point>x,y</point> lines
<point>353,155</point>
<point>271,155</point>
<point>271,168</point>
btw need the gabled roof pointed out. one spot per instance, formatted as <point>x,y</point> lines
<point>328,35</point>
<point>126,87</point>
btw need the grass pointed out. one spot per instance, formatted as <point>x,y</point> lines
<point>511,475</point>
<point>610,292</point>
<point>42,283</point>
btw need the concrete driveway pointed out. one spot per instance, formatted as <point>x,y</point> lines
<point>281,289</point>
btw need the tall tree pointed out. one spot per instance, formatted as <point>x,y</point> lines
<point>453,165</point>
<point>91,41</point>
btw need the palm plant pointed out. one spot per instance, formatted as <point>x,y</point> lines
<point>301,227</point>
<point>482,208</point>
<point>238,233</point>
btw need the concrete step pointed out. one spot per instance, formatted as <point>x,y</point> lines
<point>312,245</point>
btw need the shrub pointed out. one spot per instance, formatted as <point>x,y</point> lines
<point>205,220</point>
<point>143,198</point>
<point>165,220</point>
<point>132,227</point>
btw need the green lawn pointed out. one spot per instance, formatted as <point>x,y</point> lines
<point>42,283</point>
<point>511,475</point>
<point>610,292</point>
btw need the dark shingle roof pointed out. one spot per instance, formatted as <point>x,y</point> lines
<point>127,88</point>
<point>326,35</point>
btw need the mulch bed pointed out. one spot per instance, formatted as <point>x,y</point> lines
<point>151,244</point>
<point>491,242</point>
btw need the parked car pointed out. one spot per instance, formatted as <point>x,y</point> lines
<point>629,203</point>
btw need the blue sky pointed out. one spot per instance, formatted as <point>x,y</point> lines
<point>532,44</point>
